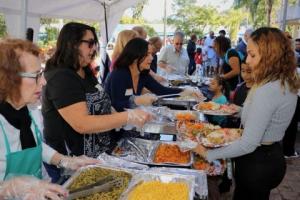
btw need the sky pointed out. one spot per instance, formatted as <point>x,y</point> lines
<point>154,9</point>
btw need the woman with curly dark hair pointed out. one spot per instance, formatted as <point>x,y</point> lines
<point>269,107</point>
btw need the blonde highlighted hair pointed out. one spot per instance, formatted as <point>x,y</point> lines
<point>277,61</point>
<point>123,38</point>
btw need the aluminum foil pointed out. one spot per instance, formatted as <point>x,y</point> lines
<point>127,151</point>
<point>112,161</point>
<point>200,178</point>
<point>163,177</point>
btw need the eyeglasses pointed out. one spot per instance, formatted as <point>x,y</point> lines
<point>90,43</point>
<point>179,44</point>
<point>35,75</point>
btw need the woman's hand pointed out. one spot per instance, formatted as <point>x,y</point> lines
<point>74,163</point>
<point>31,188</point>
<point>189,91</point>
<point>200,150</point>
<point>169,68</point>
<point>138,117</point>
<point>145,100</point>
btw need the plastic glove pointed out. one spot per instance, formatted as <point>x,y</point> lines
<point>159,78</point>
<point>170,69</point>
<point>31,188</point>
<point>138,117</point>
<point>74,163</point>
<point>189,91</point>
<point>145,100</point>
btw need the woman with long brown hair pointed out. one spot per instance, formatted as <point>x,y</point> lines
<point>269,107</point>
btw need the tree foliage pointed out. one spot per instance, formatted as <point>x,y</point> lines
<point>2,26</point>
<point>262,11</point>
<point>191,18</point>
<point>138,9</point>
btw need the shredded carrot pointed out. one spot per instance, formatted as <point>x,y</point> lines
<point>167,153</point>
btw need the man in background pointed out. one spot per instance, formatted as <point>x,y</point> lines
<point>174,58</point>
<point>242,45</point>
<point>211,62</point>
<point>297,49</point>
<point>191,50</point>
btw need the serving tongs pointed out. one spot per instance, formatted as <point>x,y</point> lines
<point>102,185</point>
<point>138,149</point>
<point>161,97</point>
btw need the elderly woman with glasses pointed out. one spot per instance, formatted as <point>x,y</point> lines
<point>77,112</point>
<point>22,150</point>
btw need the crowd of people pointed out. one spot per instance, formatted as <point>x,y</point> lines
<point>80,117</point>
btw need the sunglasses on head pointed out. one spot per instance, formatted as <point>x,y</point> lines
<point>90,43</point>
<point>179,43</point>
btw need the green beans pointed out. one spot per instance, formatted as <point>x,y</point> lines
<point>92,175</point>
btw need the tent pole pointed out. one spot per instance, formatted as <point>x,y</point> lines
<point>105,21</point>
<point>284,12</point>
<point>23,16</point>
<point>165,22</point>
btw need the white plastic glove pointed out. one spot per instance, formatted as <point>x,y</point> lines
<point>138,117</point>
<point>31,188</point>
<point>189,91</point>
<point>170,69</point>
<point>145,100</point>
<point>74,163</point>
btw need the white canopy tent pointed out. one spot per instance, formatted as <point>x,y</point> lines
<point>22,14</point>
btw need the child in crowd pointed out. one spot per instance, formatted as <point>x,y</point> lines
<point>242,89</point>
<point>238,98</point>
<point>220,94</point>
<point>198,56</point>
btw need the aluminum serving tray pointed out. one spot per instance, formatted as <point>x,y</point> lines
<point>149,147</point>
<point>79,171</point>
<point>170,164</point>
<point>162,177</point>
<point>130,153</point>
<point>189,103</point>
<point>160,128</point>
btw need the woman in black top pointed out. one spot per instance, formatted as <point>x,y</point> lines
<point>76,110</point>
<point>231,61</point>
<point>131,77</point>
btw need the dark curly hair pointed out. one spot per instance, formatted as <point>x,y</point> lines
<point>277,61</point>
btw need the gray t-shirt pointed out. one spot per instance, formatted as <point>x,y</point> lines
<point>266,114</point>
<point>178,60</point>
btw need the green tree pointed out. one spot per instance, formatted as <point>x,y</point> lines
<point>194,19</point>
<point>138,9</point>
<point>261,10</point>
<point>2,26</point>
<point>150,30</point>
<point>232,20</point>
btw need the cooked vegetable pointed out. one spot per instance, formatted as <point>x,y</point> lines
<point>92,175</point>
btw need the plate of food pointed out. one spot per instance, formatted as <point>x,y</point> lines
<point>220,137</point>
<point>192,129</point>
<point>215,168</point>
<point>212,108</point>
